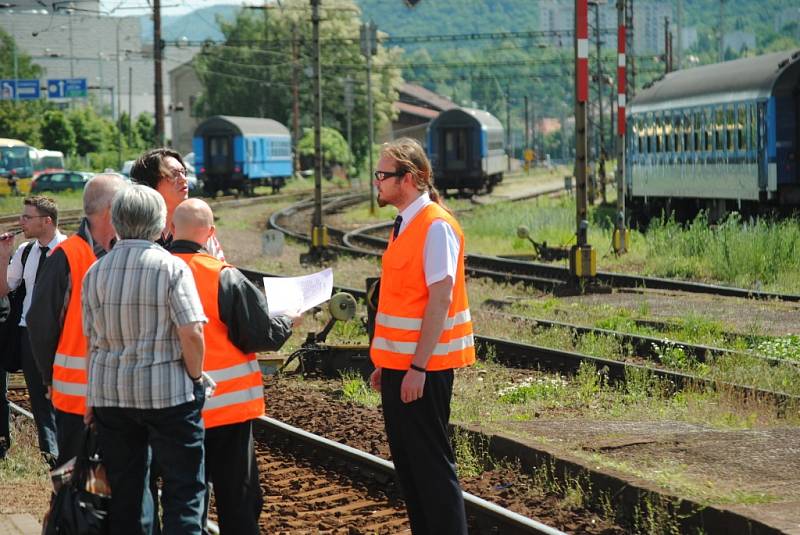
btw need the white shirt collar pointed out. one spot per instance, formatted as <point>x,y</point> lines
<point>57,238</point>
<point>413,209</point>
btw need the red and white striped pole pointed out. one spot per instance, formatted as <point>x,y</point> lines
<point>582,256</point>
<point>620,240</point>
<point>581,98</point>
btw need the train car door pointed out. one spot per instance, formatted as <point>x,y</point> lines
<point>220,154</point>
<point>455,147</point>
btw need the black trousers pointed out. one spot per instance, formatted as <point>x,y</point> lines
<point>231,467</point>
<point>69,435</point>
<point>43,414</point>
<point>422,455</point>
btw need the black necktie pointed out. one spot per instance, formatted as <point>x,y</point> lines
<point>397,222</point>
<point>42,256</point>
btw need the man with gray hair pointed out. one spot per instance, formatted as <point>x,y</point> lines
<point>59,347</point>
<point>144,320</point>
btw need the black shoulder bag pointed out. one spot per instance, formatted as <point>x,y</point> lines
<point>10,359</point>
<point>81,502</point>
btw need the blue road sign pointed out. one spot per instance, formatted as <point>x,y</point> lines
<point>66,87</point>
<point>28,90</point>
<point>8,89</point>
<point>19,89</point>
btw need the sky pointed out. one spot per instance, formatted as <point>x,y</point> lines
<point>168,7</point>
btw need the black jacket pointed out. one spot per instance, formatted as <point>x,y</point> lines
<point>49,304</point>
<point>243,308</point>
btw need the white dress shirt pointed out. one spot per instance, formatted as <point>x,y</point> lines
<point>441,243</point>
<point>16,276</point>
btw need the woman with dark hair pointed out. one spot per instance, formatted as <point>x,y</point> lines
<point>164,170</point>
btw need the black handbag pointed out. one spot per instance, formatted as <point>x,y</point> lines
<point>81,503</point>
<point>11,359</point>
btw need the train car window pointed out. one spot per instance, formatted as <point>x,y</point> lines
<point>751,127</point>
<point>708,131</point>
<point>719,129</point>
<point>730,129</point>
<point>686,132</point>
<point>659,135</point>
<point>741,124</point>
<point>698,129</point>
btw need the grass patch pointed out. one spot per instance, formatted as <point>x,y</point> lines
<point>24,461</point>
<point>356,390</point>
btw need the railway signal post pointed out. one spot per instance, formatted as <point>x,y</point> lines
<point>620,238</point>
<point>582,257</point>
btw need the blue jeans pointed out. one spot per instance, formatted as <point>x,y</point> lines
<point>175,435</point>
<point>43,414</point>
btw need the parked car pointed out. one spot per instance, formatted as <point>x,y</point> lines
<point>60,181</point>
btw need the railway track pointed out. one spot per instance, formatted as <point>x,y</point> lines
<point>314,484</point>
<point>645,346</point>
<point>544,277</point>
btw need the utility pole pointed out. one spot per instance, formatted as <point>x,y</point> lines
<point>721,29</point>
<point>602,138</point>
<point>679,31</point>
<point>348,106</point>
<point>630,54</point>
<point>130,105</point>
<point>369,48</point>
<point>620,237</point>
<point>159,84</point>
<point>319,234</point>
<point>295,101</point>
<point>508,125</point>
<point>16,66</point>
<point>667,53</point>
<point>527,125</point>
<point>582,257</point>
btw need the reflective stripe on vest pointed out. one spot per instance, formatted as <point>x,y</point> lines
<point>69,365</point>
<point>239,395</point>
<point>404,296</point>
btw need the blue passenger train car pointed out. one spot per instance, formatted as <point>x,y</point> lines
<point>718,137</point>
<point>467,150</point>
<point>241,153</point>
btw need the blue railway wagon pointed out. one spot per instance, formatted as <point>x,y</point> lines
<point>718,137</point>
<point>467,150</point>
<point>241,153</point>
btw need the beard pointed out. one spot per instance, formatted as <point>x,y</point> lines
<point>381,201</point>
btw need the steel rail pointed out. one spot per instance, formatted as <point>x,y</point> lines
<point>648,346</point>
<point>521,355</point>
<point>504,520</point>
<point>521,271</point>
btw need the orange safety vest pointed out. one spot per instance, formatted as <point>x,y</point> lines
<point>240,392</point>
<point>404,295</point>
<point>69,365</point>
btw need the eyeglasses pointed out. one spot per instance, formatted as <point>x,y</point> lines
<point>26,217</point>
<point>380,176</point>
<point>175,174</point>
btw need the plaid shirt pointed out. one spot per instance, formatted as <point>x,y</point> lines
<point>133,301</point>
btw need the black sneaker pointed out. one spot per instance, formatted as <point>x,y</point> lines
<point>5,444</point>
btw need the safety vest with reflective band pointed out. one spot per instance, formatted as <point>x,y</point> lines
<point>404,295</point>
<point>240,393</point>
<point>69,365</point>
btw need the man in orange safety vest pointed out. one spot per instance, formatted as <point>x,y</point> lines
<point>238,326</point>
<point>423,331</point>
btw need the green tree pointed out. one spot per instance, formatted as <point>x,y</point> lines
<point>251,73</point>
<point>145,127</point>
<point>25,66</point>
<point>334,149</point>
<point>89,130</point>
<point>57,132</point>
